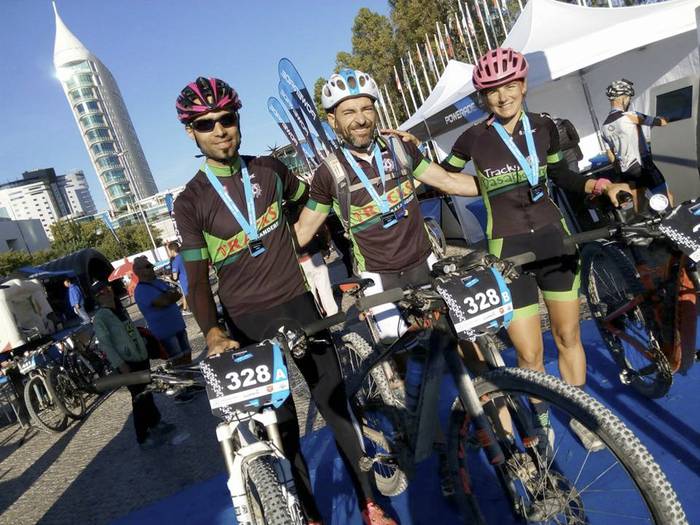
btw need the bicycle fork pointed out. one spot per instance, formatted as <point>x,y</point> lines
<point>472,405</point>
<point>238,456</point>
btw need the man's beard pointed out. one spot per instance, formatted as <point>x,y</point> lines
<point>362,145</point>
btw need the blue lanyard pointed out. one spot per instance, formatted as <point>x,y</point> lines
<point>531,168</point>
<point>380,200</point>
<point>250,226</point>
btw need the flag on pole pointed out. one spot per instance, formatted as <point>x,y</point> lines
<point>448,40</point>
<point>472,29</point>
<point>412,67</point>
<point>468,49</point>
<point>391,106</point>
<point>497,7</point>
<point>400,88</point>
<point>407,80</point>
<point>422,65</point>
<point>483,25</point>
<point>489,22</point>
<point>431,58</point>
<point>441,46</point>
<point>105,218</point>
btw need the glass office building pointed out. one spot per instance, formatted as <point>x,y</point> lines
<point>103,121</point>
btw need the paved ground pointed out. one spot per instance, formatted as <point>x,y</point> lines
<point>93,472</point>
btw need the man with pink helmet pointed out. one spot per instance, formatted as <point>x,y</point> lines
<point>261,285</point>
<point>514,152</point>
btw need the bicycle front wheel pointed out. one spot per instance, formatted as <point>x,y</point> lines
<point>66,393</point>
<point>354,352</point>
<point>268,503</point>
<point>567,483</point>
<point>610,282</point>
<point>42,405</point>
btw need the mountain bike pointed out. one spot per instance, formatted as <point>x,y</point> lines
<point>491,422</point>
<point>640,279</point>
<point>244,387</point>
<point>50,393</point>
<point>82,360</point>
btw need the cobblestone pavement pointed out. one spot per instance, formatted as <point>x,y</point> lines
<point>93,472</point>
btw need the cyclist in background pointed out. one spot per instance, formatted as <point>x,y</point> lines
<point>230,214</point>
<point>627,146</point>
<point>514,152</point>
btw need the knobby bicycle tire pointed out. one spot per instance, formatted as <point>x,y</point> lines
<point>654,489</point>
<point>436,237</point>
<point>381,428</point>
<point>68,397</point>
<point>265,493</point>
<point>42,406</point>
<point>376,387</point>
<point>655,381</point>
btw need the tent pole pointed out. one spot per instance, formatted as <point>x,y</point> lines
<point>589,102</point>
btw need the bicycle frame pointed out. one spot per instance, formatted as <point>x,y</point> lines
<point>441,354</point>
<point>683,332</point>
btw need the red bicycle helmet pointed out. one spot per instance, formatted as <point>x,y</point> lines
<point>497,67</point>
<point>205,95</point>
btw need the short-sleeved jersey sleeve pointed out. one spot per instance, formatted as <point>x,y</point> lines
<point>322,190</point>
<point>418,160</point>
<point>294,188</point>
<point>194,247</point>
<point>461,152</point>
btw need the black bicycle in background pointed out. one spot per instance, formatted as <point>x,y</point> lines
<point>491,440</point>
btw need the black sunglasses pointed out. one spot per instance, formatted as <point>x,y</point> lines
<point>207,125</point>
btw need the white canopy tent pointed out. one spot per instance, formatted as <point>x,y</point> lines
<point>453,85</point>
<point>574,52</point>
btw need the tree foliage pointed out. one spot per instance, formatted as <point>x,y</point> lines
<point>71,236</point>
<point>379,43</point>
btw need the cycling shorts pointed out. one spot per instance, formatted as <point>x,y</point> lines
<point>556,270</point>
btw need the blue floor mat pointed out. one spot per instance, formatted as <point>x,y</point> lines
<point>668,427</point>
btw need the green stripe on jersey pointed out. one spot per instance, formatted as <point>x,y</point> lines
<point>195,254</point>
<point>555,157</point>
<point>455,161</point>
<point>299,192</point>
<point>317,206</point>
<point>420,169</point>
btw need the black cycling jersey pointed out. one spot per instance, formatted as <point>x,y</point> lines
<point>502,182</point>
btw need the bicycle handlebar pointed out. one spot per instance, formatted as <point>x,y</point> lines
<point>389,296</point>
<point>593,235</point>
<point>324,324</point>
<point>111,382</point>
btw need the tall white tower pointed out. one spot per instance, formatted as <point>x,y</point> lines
<point>103,120</point>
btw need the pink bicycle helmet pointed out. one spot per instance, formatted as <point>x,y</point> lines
<point>497,67</point>
<point>205,95</point>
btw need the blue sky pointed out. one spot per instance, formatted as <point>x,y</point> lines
<point>153,48</point>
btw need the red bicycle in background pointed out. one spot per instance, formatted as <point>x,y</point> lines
<point>640,279</point>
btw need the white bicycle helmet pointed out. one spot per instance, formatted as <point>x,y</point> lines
<point>348,83</point>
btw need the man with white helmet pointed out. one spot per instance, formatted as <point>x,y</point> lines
<point>627,145</point>
<point>369,183</point>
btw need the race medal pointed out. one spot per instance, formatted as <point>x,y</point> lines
<point>389,219</point>
<point>536,192</point>
<point>256,247</point>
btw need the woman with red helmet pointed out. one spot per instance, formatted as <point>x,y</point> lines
<point>514,153</point>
